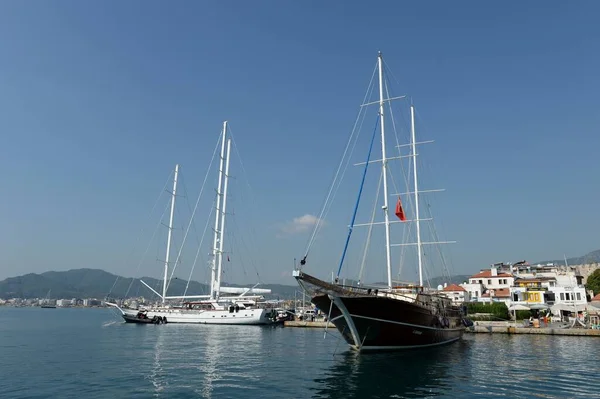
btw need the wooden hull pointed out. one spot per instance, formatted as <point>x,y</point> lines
<point>372,322</point>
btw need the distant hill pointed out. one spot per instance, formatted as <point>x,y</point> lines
<point>95,283</point>
<point>458,279</point>
<point>592,257</point>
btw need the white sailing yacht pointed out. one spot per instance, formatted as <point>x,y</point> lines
<point>240,307</point>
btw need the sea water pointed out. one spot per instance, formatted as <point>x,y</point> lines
<point>91,353</point>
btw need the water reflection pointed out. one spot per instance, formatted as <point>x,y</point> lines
<point>400,374</point>
<point>230,354</point>
<point>156,375</point>
<point>209,362</point>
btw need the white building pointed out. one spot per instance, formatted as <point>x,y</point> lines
<point>457,293</point>
<point>63,303</point>
<point>496,295</point>
<point>481,283</point>
<point>558,288</point>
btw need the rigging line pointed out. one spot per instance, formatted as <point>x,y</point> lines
<point>369,233</point>
<point>194,211</point>
<point>338,182</point>
<point>240,242</point>
<point>252,204</point>
<point>244,173</point>
<point>187,201</point>
<point>405,178</point>
<point>344,170</point>
<point>142,229</point>
<point>148,246</point>
<point>251,200</point>
<point>316,228</point>
<point>362,183</point>
<point>208,220</point>
<point>434,228</point>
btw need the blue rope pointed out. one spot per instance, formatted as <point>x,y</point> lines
<point>362,183</point>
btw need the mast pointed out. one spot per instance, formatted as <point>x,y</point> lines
<point>217,237</point>
<point>384,172</point>
<point>222,227</point>
<point>164,291</point>
<point>416,180</point>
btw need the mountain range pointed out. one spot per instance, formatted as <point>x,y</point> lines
<point>96,283</point>
<point>592,257</point>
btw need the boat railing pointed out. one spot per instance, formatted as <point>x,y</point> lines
<point>408,293</point>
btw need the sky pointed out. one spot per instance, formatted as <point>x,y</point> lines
<point>99,100</point>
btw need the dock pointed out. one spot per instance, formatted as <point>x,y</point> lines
<point>477,329</point>
<point>308,324</point>
<point>490,329</point>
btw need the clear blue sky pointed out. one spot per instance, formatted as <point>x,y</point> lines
<point>98,101</point>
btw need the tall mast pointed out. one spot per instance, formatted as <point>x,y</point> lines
<point>416,183</point>
<point>164,291</point>
<point>217,235</point>
<point>222,227</point>
<point>388,255</point>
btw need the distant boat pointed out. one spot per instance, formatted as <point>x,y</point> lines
<point>242,306</point>
<point>46,302</point>
<point>396,316</point>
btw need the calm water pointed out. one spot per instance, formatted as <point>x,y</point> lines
<point>90,353</point>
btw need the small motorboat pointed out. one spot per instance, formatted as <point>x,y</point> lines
<point>142,318</point>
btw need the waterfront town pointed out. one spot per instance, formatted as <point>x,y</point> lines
<point>548,293</point>
<point>557,293</point>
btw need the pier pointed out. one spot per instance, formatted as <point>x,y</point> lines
<point>478,329</point>
<point>308,324</point>
<point>489,329</point>
<point>499,327</point>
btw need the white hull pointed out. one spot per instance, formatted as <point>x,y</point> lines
<point>191,316</point>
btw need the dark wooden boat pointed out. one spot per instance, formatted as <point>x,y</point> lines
<point>394,317</point>
<point>372,319</point>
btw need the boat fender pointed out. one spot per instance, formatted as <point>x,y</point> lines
<point>441,321</point>
<point>446,322</point>
<point>165,320</point>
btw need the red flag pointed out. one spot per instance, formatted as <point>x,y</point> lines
<point>400,211</point>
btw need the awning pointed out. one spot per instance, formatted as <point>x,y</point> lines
<point>518,306</point>
<point>568,307</point>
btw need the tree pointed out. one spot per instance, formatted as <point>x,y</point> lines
<point>593,282</point>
